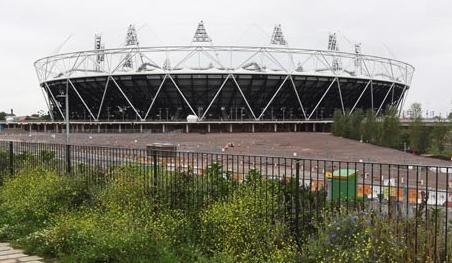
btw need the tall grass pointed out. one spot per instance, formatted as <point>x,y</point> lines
<point>192,218</point>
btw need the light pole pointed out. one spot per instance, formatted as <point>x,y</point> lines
<point>68,147</point>
<point>66,98</point>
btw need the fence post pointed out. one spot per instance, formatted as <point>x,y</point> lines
<point>151,152</point>
<point>154,166</point>
<point>68,159</point>
<point>11,158</point>
<point>161,150</point>
<point>297,198</point>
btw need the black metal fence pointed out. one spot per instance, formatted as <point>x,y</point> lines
<point>296,190</point>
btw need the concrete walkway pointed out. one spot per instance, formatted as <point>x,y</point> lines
<point>10,255</point>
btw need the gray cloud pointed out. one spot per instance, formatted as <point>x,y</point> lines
<point>416,31</point>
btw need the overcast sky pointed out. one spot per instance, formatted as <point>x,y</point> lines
<point>415,31</point>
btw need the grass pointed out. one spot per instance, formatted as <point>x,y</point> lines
<point>196,219</point>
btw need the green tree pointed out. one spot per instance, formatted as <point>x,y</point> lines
<point>439,136</point>
<point>356,119</point>
<point>369,127</point>
<point>419,136</point>
<point>43,115</point>
<point>2,115</point>
<point>416,110</point>
<point>391,132</point>
<point>348,129</point>
<point>338,123</point>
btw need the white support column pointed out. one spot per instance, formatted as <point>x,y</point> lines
<point>127,99</point>
<point>252,128</point>
<point>340,95</point>
<point>372,95</point>
<point>298,97</point>
<point>55,101</point>
<point>273,97</point>
<point>401,99</point>
<point>46,98</point>
<point>321,99</point>
<point>215,97</point>
<point>103,98</point>
<point>384,100</point>
<point>359,98</point>
<point>208,128</point>
<point>243,96</point>
<point>155,97</point>
<point>83,101</point>
<point>182,95</point>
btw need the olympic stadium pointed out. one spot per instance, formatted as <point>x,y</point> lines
<point>203,82</point>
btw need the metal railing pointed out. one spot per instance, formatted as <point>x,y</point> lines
<point>415,197</point>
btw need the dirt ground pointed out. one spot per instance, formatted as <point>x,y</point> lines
<point>303,145</point>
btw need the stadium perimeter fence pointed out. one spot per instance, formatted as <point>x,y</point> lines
<point>294,190</point>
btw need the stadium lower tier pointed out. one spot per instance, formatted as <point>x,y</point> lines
<point>173,97</point>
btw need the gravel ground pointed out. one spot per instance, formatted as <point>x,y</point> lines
<point>307,145</point>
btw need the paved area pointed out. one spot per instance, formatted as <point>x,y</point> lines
<point>10,255</point>
<point>304,144</point>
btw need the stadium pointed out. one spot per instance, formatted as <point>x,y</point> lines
<point>207,83</point>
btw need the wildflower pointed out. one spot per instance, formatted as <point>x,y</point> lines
<point>333,235</point>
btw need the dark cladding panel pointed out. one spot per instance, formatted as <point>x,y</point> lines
<point>260,91</point>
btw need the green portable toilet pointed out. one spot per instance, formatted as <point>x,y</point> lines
<point>342,184</point>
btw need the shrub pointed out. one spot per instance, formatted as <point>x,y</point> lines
<point>121,226</point>
<point>242,228</point>
<point>112,236</point>
<point>354,237</point>
<point>29,199</point>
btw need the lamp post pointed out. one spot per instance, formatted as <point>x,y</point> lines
<point>66,98</point>
<point>68,147</point>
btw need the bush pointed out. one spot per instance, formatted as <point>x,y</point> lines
<point>242,229</point>
<point>29,199</point>
<point>120,226</point>
<point>354,237</point>
<point>391,132</point>
<point>112,236</point>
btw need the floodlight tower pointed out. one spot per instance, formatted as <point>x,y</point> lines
<point>99,47</point>
<point>201,37</point>
<point>278,39</point>
<point>358,59</point>
<point>131,42</point>
<point>333,46</point>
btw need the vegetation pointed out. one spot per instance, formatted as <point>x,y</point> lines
<point>385,130</point>
<point>186,217</point>
<point>3,115</point>
<point>119,221</point>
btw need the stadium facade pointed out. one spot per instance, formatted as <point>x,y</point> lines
<point>218,83</point>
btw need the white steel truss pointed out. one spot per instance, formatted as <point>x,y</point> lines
<point>196,59</point>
